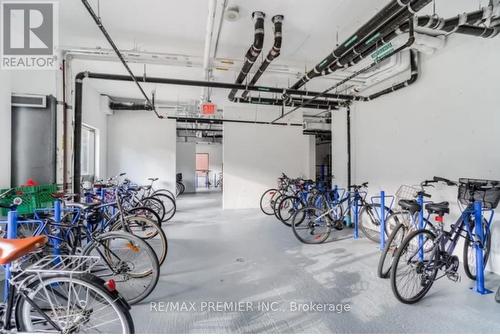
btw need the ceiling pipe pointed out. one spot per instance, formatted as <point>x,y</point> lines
<point>118,53</point>
<point>409,43</point>
<point>375,40</point>
<point>215,85</point>
<point>207,66</point>
<point>273,53</point>
<point>402,85</point>
<point>253,52</point>
<point>396,8</point>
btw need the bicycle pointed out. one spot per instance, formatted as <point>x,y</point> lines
<point>313,225</point>
<point>270,196</point>
<point>125,258</point>
<point>411,217</point>
<point>57,293</point>
<point>424,253</point>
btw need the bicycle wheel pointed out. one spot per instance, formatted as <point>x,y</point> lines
<point>75,304</point>
<point>128,260</point>
<point>155,204</point>
<point>169,205</point>
<point>469,250</point>
<point>164,191</point>
<point>267,201</point>
<point>287,208</point>
<point>141,212</point>
<point>369,221</point>
<point>415,266</point>
<point>311,225</point>
<point>387,256</point>
<point>148,230</point>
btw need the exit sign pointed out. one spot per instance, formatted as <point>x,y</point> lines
<point>208,108</point>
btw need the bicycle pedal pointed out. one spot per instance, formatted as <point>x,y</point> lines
<point>455,277</point>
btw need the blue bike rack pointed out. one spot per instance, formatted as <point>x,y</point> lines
<point>383,215</point>
<point>356,216</point>
<point>58,220</point>
<point>478,228</point>
<point>11,234</point>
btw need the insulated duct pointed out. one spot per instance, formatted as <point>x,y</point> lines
<point>253,52</point>
<point>396,11</point>
<point>413,79</point>
<point>373,42</point>
<point>273,53</point>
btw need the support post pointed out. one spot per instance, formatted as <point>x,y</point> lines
<point>479,234</point>
<point>382,220</point>
<point>356,216</point>
<point>11,234</point>
<point>58,221</point>
<point>421,226</point>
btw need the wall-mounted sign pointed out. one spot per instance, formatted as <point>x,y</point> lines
<point>208,108</point>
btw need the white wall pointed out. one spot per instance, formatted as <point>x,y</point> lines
<point>256,155</point>
<point>186,164</point>
<point>214,152</point>
<point>94,114</point>
<point>142,146</point>
<point>5,127</point>
<point>447,124</point>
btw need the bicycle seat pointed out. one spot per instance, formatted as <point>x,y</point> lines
<point>12,249</point>
<point>438,208</point>
<point>409,205</point>
<point>153,179</point>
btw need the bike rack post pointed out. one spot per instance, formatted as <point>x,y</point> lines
<point>420,201</point>
<point>478,228</point>
<point>356,216</point>
<point>11,234</point>
<point>382,220</point>
<point>58,221</point>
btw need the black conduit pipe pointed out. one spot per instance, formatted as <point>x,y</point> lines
<point>116,106</point>
<point>373,42</point>
<point>253,52</point>
<point>349,167</point>
<point>273,53</point>
<point>77,133</point>
<point>406,83</point>
<point>315,104</point>
<point>394,8</point>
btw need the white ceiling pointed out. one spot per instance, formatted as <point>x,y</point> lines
<point>310,33</point>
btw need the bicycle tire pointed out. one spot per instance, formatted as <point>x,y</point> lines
<point>394,269</point>
<point>371,234</point>
<point>301,222</point>
<point>288,220</point>
<point>155,204</point>
<point>163,191</point>
<point>161,251</point>
<point>138,245</point>
<point>469,260</point>
<point>110,299</point>
<point>169,205</point>
<point>264,207</point>
<point>384,263</point>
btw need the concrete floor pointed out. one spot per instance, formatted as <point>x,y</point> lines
<point>244,256</point>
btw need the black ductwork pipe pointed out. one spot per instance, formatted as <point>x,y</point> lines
<point>477,31</point>
<point>216,85</point>
<point>406,83</point>
<point>116,106</point>
<point>373,42</point>
<point>396,8</point>
<point>273,53</point>
<point>315,104</point>
<point>253,52</point>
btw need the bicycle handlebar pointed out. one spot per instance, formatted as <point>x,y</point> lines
<point>442,179</point>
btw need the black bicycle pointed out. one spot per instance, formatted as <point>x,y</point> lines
<point>424,253</point>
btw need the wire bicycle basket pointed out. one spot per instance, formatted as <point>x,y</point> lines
<point>485,191</point>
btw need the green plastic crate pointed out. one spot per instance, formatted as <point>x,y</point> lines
<point>33,198</point>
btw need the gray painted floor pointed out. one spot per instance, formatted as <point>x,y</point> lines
<point>242,255</point>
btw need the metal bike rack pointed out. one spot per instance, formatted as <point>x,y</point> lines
<point>357,196</point>
<point>478,228</point>
<point>382,216</point>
